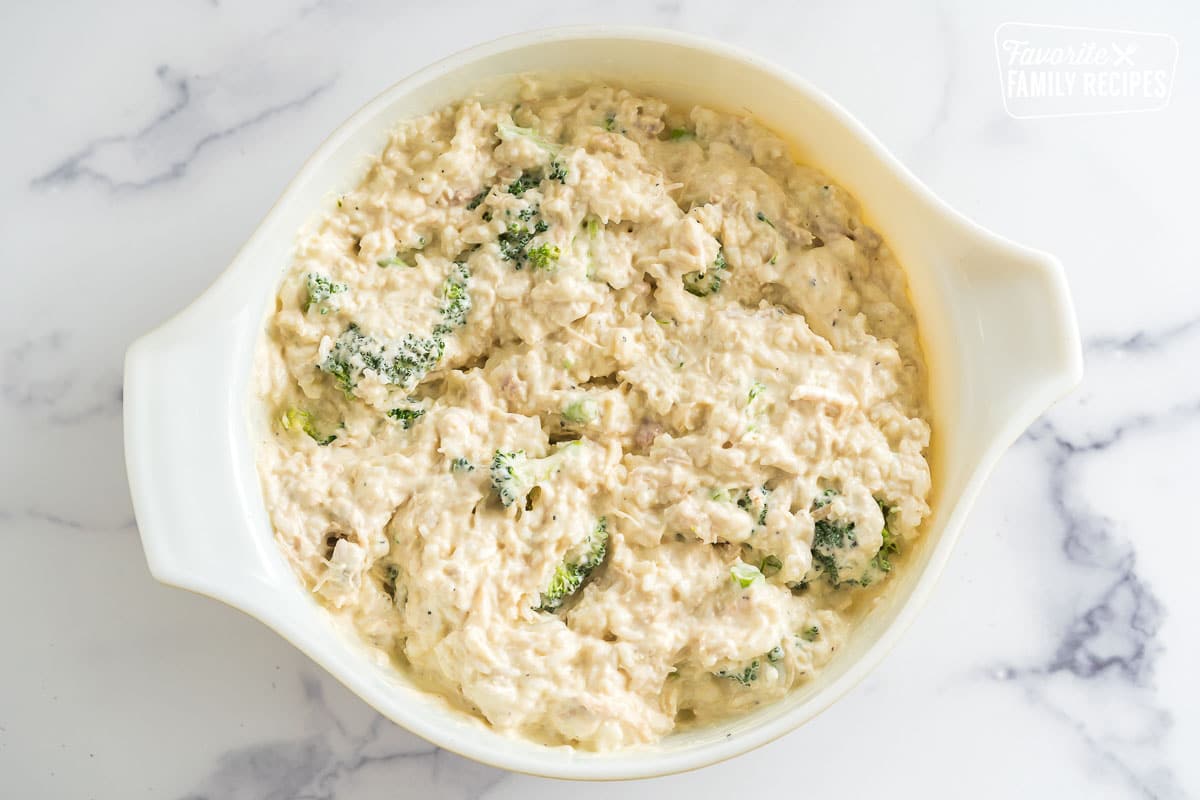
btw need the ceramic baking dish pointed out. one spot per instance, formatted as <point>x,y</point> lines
<point>995,320</point>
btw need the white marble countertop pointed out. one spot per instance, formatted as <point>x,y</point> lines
<point>143,141</point>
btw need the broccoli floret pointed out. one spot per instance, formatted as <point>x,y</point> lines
<point>507,130</point>
<point>411,358</point>
<point>745,676</point>
<point>610,122</point>
<point>478,199</point>
<point>511,476</point>
<point>321,289</point>
<point>461,464</point>
<point>770,566</point>
<point>756,389</point>
<point>514,475</point>
<point>579,563</point>
<point>824,498</point>
<point>831,540</point>
<point>514,242</point>
<point>749,674</point>
<point>583,411</point>
<point>524,182</point>
<point>810,634</point>
<point>389,577</point>
<point>295,419</point>
<point>890,546</point>
<point>680,133</point>
<point>763,218</point>
<point>755,502</point>
<point>456,300</point>
<point>393,260</point>
<point>533,178</point>
<point>544,256</point>
<point>702,284</point>
<point>744,574</point>
<point>407,416</point>
<point>351,354</point>
<point>404,363</point>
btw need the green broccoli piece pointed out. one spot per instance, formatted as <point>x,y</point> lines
<point>295,419</point>
<point>321,289</point>
<point>680,133</point>
<point>763,218</point>
<point>524,182</point>
<point>544,256</point>
<point>406,362</point>
<point>756,389</point>
<point>810,634</point>
<point>745,677</point>
<point>755,502</point>
<point>514,242</point>
<point>610,122</point>
<point>407,416</point>
<point>770,566</point>
<point>514,475</point>
<point>577,566</point>
<point>702,284</point>
<point>583,411</point>
<point>403,363</point>
<point>511,131</point>
<point>882,560</point>
<point>478,199</point>
<point>744,574</point>
<point>775,654</point>
<point>511,476</point>
<point>531,179</point>
<point>393,260</point>
<point>461,464</point>
<point>824,498</point>
<point>456,300</point>
<point>831,540</point>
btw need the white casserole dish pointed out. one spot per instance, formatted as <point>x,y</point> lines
<point>996,323</point>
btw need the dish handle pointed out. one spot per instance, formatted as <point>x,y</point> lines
<point>1020,340</point>
<point>190,465</point>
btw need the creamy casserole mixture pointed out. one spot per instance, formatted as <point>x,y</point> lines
<point>597,417</point>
